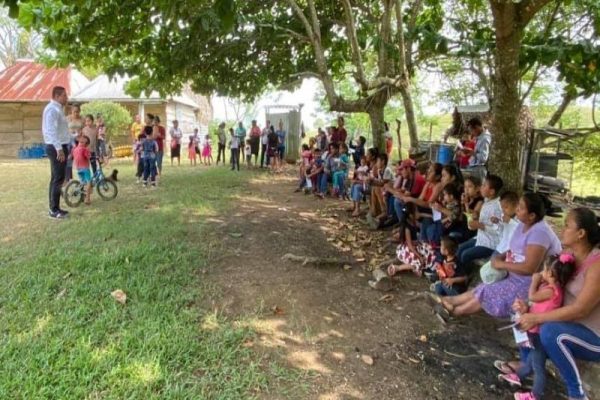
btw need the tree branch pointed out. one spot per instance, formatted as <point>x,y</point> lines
<point>384,33</point>
<point>356,54</point>
<point>567,99</point>
<point>402,71</point>
<point>527,9</point>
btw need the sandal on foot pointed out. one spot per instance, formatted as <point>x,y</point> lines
<point>511,378</point>
<point>504,367</point>
<point>441,313</point>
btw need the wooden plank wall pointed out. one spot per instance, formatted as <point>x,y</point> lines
<point>20,125</point>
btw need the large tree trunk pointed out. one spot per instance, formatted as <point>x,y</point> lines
<point>567,99</point>
<point>506,138</point>
<point>376,116</point>
<point>411,119</point>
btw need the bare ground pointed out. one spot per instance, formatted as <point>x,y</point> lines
<point>322,320</point>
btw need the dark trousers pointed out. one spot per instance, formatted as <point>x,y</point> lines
<point>263,152</point>
<point>221,150</point>
<point>235,159</point>
<point>58,171</point>
<point>468,252</point>
<point>93,163</point>
<point>140,168</point>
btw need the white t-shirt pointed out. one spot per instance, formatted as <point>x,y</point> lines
<point>489,236</point>
<point>248,150</point>
<point>507,232</point>
<point>264,139</point>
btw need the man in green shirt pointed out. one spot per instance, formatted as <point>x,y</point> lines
<point>240,132</point>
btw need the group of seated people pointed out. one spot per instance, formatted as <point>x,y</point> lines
<point>451,229</point>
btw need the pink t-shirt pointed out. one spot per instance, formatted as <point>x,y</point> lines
<point>552,303</point>
<point>81,157</point>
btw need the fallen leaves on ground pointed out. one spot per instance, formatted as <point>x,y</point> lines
<point>367,359</point>
<point>277,310</point>
<point>386,298</point>
<point>119,296</point>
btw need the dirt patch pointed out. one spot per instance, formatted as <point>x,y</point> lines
<point>352,341</point>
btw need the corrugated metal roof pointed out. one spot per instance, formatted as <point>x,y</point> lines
<point>104,88</point>
<point>30,81</point>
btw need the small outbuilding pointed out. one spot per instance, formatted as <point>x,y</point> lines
<point>25,89</point>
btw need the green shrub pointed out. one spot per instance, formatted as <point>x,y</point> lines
<point>116,117</point>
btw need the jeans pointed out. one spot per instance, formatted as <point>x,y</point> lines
<point>149,169</point>
<point>58,170</point>
<point>159,159</point>
<point>443,290</point>
<point>429,232</point>
<point>339,180</point>
<point>235,159</point>
<point>399,209</point>
<point>468,252</point>
<point>536,363</point>
<point>566,341</point>
<point>221,150</point>
<point>357,191</point>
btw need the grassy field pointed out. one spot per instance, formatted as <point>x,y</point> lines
<point>62,335</point>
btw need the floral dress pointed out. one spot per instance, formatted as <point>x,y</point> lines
<point>423,258</point>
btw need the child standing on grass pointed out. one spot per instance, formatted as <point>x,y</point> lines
<point>545,294</point>
<point>248,152</point>
<point>234,145</point>
<point>451,278</point>
<point>207,151</point>
<point>149,152</point>
<point>81,160</point>
<point>192,150</point>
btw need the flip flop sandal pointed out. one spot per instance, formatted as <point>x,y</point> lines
<point>504,367</point>
<point>441,313</point>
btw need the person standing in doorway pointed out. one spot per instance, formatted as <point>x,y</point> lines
<point>222,137</point>
<point>281,134</point>
<point>55,130</point>
<point>176,136</point>
<point>264,140</point>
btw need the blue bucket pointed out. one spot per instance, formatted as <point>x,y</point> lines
<point>445,154</point>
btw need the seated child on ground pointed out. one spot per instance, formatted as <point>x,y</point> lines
<point>304,166</point>
<point>452,220</point>
<point>545,294</point>
<point>509,222</point>
<point>413,255</point>
<point>472,201</point>
<point>451,278</point>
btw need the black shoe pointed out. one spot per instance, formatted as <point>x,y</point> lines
<point>57,214</point>
<point>63,211</point>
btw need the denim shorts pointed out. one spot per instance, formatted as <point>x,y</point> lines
<point>85,176</point>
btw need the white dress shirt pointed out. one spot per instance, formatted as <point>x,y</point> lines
<point>55,127</point>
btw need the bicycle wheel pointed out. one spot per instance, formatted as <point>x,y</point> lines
<point>107,189</point>
<point>73,193</point>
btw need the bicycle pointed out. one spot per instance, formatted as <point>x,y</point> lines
<point>75,191</point>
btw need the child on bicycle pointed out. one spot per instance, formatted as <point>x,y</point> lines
<point>81,160</point>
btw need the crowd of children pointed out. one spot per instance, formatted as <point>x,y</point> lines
<point>446,227</point>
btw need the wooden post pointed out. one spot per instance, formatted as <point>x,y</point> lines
<point>399,138</point>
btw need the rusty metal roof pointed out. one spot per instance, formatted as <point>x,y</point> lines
<point>30,81</point>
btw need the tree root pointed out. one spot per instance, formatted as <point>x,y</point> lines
<point>317,261</point>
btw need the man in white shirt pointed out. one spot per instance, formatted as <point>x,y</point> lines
<point>55,130</point>
<point>264,140</point>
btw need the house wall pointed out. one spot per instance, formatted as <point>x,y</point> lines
<point>20,125</point>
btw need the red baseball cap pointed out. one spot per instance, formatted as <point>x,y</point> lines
<point>408,163</point>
